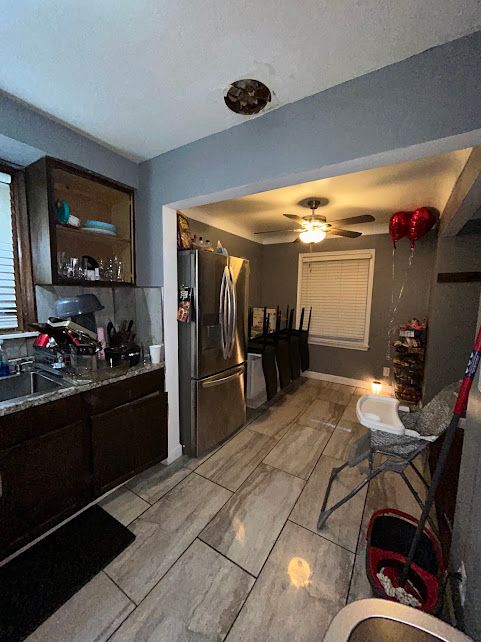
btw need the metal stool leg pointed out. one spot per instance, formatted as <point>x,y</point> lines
<point>419,474</point>
<point>418,499</point>
<point>334,474</point>
<point>325,514</point>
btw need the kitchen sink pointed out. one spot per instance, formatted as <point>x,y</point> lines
<point>26,384</point>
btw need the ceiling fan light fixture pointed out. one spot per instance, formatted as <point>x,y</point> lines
<point>312,236</point>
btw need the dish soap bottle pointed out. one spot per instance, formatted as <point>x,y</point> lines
<point>4,367</point>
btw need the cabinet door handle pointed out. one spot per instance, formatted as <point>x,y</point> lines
<point>1,485</point>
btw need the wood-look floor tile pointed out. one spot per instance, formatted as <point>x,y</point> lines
<point>192,463</point>
<point>276,419</point>
<point>302,586</point>
<point>198,599</point>
<point>343,438</point>
<point>298,451</point>
<point>233,463</point>
<point>91,614</point>
<point>154,483</point>
<point>164,532</point>
<point>247,526</point>
<point>344,524</point>
<point>348,415</point>
<point>360,588</point>
<point>124,505</point>
<point>388,489</point>
<point>303,392</point>
<point>338,393</point>
<point>321,414</point>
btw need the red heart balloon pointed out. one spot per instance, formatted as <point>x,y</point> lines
<point>422,220</point>
<point>399,225</point>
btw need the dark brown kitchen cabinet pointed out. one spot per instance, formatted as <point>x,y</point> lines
<point>94,201</point>
<point>43,481</point>
<point>57,457</point>
<point>128,439</point>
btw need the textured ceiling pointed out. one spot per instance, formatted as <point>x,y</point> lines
<point>145,77</point>
<point>380,192</point>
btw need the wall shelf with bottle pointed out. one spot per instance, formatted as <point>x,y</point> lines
<point>81,226</point>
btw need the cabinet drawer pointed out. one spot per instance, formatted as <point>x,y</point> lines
<point>128,439</point>
<point>34,422</point>
<point>43,481</point>
<point>108,397</point>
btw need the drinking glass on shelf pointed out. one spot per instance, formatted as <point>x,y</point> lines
<point>62,263</point>
<point>72,268</point>
<point>102,269</point>
<point>118,269</point>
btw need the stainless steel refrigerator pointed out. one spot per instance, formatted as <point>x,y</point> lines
<point>212,349</point>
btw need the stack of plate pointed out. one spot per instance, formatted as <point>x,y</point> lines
<point>100,227</point>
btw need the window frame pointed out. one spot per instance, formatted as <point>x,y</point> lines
<point>340,256</point>
<point>24,288</point>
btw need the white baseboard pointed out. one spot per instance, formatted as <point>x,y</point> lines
<point>345,381</point>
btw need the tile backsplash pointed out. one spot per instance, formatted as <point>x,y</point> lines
<point>143,305</point>
<point>17,348</point>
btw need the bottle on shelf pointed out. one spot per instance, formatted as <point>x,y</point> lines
<point>208,246</point>
<point>201,243</point>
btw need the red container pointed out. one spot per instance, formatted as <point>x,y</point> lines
<point>389,536</point>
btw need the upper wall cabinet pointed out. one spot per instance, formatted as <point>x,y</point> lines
<point>81,226</point>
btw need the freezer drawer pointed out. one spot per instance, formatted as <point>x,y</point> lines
<point>218,408</point>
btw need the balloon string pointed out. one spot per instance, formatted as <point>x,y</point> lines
<point>394,308</point>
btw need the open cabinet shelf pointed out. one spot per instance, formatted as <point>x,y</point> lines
<point>89,197</point>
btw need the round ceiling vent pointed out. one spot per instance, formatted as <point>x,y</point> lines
<point>247,96</point>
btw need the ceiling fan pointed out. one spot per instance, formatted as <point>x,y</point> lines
<point>315,227</point>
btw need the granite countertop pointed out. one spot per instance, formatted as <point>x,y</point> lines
<point>68,389</point>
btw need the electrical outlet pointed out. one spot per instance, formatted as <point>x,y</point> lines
<point>462,583</point>
<point>386,372</point>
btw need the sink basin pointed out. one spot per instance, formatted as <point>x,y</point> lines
<point>26,384</point>
<point>374,620</point>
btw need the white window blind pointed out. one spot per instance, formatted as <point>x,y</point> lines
<point>338,287</point>
<point>8,300</point>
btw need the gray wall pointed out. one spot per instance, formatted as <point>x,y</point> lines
<point>466,545</point>
<point>427,97</point>
<point>236,246</point>
<point>279,286</point>
<point>453,312</point>
<point>37,135</point>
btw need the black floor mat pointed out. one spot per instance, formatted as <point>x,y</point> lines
<point>37,582</point>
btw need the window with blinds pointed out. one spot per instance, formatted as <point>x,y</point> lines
<point>338,288</point>
<point>8,297</point>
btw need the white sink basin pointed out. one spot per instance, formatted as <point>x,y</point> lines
<point>376,620</point>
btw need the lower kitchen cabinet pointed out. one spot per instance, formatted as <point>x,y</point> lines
<point>43,481</point>
<point>127,439</point>
<point>58,457</point>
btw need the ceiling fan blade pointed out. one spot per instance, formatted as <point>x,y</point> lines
<point>348,233</point>
<point>293,217</point>
<point>279,231</point>
<point>355,220</point>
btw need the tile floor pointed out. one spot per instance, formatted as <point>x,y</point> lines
<point>227,547</point>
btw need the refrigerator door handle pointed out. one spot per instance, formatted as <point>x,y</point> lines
<point>219,382</point>
<point>233,319</point>
<point>222,312</point>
